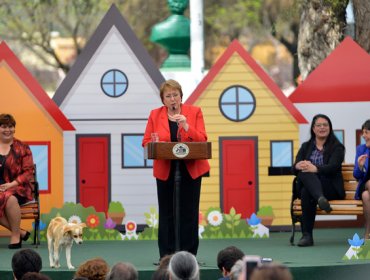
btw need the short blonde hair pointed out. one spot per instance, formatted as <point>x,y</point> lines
<point>172,84</point>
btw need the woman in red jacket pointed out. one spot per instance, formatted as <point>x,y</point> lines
<point>16,171</point>
<point>172,121</point>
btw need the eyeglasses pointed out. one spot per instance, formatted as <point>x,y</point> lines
<point>173,95</point>
<point>321,124</point>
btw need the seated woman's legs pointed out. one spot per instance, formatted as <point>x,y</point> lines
<point>308,218</point>
<point>13,217</point>
<point>313,185</point>
<point>311,194</point>
<point>366,208</point>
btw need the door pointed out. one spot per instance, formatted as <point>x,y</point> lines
<point>93,171</point>
<point>238,171</point>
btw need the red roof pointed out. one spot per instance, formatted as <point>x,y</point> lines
<point>235,46</point>
<point>344,76</point>
<point>34,87</point>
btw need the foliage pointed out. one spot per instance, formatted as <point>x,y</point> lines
<point>364,253</point>
<point>265,211</point>
<point>151,219</point>
<point>116,207</point>
<point>96,223</point>
<point>33,24</point>
<point>232,226</point>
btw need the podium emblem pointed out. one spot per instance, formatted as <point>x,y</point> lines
<point>180,150</point>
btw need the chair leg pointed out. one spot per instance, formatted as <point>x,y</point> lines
<point>36,239</point>
<point>293,233</point>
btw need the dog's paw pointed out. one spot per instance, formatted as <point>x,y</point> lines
<point>71,267</point>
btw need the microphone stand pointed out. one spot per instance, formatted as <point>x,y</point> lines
<point>176,201</point>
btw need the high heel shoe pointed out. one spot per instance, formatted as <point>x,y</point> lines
<point>16,245</point>
<point>26,236</point>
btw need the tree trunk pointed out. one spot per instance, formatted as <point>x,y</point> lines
<point>361,10</point>
<point>321,30</point>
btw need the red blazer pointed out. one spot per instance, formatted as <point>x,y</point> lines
<point>158,122</point>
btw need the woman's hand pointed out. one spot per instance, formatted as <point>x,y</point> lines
<point>6,186</point>
<point>181,121</point>
<point>306,166</point>
<point>361,161</point>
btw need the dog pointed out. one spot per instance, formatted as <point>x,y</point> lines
<point>61,234</point>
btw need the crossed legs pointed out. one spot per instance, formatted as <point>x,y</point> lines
<point>366,208</point>
<point>12,219</point>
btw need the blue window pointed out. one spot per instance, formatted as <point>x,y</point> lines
<point>237,103</point>
<point>281,153</point>
<point>281,158</point>
<point>133,152</point>
<point>40,154</point>
<point>114,83</point>
<point>339,133</point>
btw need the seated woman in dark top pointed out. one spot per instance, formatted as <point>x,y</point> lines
<point>319,176</point>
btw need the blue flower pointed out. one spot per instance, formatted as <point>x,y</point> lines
<point>356,241</point>
<point>254,220</point>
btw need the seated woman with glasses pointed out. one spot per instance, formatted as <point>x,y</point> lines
<point>318,170</point>
<point>16,173</point>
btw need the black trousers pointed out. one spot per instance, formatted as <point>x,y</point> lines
<point>313,186</point>
<point>189,212</point>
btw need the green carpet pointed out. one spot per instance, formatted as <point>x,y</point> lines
<point>322,261</point>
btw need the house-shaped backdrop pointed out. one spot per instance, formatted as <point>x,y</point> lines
<point>339,88</point>
<point>108,95</point>
<point>40,123</point>
<point>254,130</point>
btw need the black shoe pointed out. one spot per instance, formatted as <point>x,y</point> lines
<point>156,263</point>
<point>15,245</point>
<point>26,236</point>
<point>324,204</point>
<point>305,241</point>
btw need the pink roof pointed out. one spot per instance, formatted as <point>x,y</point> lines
<point>34,87</point>
<point>344,76</point>
<point>235,46</point>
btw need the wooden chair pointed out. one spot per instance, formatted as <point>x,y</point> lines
<point>31,210</point>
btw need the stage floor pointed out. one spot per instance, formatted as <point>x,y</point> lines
<point>322,261</point>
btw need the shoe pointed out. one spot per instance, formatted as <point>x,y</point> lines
<point>324,204</point>
<point>306,240</point>
<point>26,236</point>
<point>156,263</point>
<point>15,245</point>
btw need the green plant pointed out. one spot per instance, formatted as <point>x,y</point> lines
<point>265,211</point>
<point>116,207</point>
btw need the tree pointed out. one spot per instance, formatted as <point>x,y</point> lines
<point>32,24</point>
<point>282,19</point>
<point>361,11</point>
<point>321,30</point>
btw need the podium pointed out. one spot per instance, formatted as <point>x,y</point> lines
<point>178,151</point>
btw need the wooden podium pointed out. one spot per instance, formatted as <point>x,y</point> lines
<point>178,151</point>
<point>167,150</point>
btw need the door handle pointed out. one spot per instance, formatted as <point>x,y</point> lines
<point>250,182</point>
<point>83,181</point>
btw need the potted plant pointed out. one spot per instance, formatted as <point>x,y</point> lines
<point>116,212</point>
<point>266,214</point>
